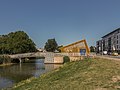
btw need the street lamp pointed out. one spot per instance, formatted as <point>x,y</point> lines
<point>102,47</point>
<point>99,48</point>
<point>113,48</point>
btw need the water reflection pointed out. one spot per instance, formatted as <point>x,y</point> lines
<point>10,75</point>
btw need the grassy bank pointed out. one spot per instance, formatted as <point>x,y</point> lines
<point>8,64</point>
<point>90,74</point>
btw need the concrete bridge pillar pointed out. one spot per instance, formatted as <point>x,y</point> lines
<point>20,60</point>
<point>49,58</point>
<point>52,58</point>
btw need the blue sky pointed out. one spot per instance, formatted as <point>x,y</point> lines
<point>65,20</point>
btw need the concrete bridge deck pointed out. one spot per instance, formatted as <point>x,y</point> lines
<point>42,54</point>
<point>49,56</point>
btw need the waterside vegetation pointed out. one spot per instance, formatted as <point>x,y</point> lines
<point>5,60</point>
<point>14,43</point>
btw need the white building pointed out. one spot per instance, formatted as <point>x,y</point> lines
<point>110,42</point>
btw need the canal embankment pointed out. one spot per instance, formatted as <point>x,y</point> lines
<point>8,64</point>
<point>87,74</point>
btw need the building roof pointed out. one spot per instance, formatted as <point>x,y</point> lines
<point>110,33</point>
<point>99,41</point>
<point>74,43</point>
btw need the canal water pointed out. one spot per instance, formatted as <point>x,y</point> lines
<point>9,75</point>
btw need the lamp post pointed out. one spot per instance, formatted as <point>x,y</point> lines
<point>99,49</point>
<point>102,47</point>
<point>113,48</point>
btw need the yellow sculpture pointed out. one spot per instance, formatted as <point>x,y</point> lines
<point>76,47</point>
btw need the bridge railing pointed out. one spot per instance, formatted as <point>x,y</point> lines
<point>41,54</point>
<point>34,54</point>
<point>69,54</point>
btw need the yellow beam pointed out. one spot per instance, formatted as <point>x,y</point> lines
<point>75,49</point>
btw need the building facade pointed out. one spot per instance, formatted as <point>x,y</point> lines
<point>99,46</point>
<point>110,42</point>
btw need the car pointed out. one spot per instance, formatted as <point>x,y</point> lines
<point>109,53</point>
<point>115,54</point>
<point>104,52</point>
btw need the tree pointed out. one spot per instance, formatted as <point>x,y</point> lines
<point>16,42</point>
<point>92,49</point>
<point>58,48</point>
<point>51,45</point>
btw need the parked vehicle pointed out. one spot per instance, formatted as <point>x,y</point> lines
<point>104,52</point>
<point>115,54</point>
<point>109,53</point>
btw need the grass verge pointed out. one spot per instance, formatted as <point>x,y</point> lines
<point>88,74</point>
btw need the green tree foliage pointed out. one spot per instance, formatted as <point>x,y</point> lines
<point>51,45</point>
<point>92,49</point>
<point>16,42</point>
<point>58,48</point>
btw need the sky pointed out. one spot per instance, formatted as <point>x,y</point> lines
<point>65,20</point>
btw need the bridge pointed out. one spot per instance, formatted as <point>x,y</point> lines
<point>75,51</point>
<point>49,56</point>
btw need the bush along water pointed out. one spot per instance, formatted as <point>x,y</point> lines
<point>66,59</point>
<point>5,59</point>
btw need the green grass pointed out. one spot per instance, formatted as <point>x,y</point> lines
<point>88,74</point>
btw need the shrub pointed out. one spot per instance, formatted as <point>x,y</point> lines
<point>5,59</point>
<point>1,60</point>
<point>66,59</point>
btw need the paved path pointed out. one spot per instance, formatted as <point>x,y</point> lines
<point>109,57</point>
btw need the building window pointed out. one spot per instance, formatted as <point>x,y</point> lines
<point>117,46</point>
<point>117,41</point>
<point>117,36</point>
